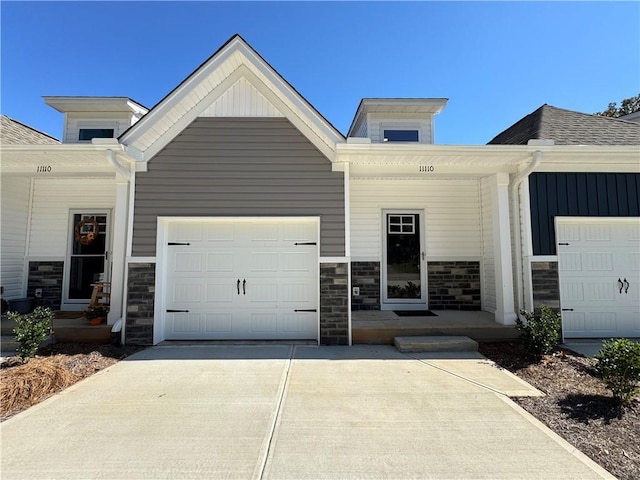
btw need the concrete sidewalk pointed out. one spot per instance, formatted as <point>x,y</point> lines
<point>282,411</point>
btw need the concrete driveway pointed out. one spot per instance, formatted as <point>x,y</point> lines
<point>287,412</point>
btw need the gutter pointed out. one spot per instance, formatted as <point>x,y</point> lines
<point>515,184</point>
<point>111,156</point>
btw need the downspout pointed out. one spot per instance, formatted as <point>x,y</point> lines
<point>117,330</point>
<point>117,165</point>
<point>515,185</point>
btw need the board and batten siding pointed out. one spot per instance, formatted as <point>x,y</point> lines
<point>488,255</point>
<point>452,215</point>
<point>239,167</point>
<point>53,199</point>
<point>14,218</point>
<point>578,195</point>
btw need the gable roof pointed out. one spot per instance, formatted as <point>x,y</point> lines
<point>566,127</point>
<point>13,132</point>
<point>236,61</point>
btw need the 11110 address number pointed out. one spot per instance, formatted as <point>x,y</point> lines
<point>426,169</point>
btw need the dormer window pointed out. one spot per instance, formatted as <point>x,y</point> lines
<point>401,136</point>
<point>86,134</point>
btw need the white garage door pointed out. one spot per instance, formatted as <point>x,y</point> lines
<point>241,279</point>
<point>599,271</point>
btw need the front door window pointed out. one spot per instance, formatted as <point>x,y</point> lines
<point>88,256</point>
<point>404,257</point>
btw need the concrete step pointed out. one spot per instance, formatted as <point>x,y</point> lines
<point>444,343</point>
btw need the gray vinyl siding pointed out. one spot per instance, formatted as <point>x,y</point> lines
<point>239,167</point>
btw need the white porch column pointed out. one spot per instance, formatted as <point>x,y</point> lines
<point>503,265</point>
<point>118,253</point>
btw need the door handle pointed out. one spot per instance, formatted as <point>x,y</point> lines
<point>626,286</point>
<point>621,285</point>
<point>238,285</point>
<point>244,286</point>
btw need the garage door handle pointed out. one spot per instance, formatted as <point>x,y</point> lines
<point>307,310</point>
<point>238,285</point>
<point>621,285</point>
<point>626,286</point>
<point>177,311</point>
<point>244,286</point>
<point>567,309</point>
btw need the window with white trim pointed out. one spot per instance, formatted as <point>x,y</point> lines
<point>401,224</point>
<point>393,135</point>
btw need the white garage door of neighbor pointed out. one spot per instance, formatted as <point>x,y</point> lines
<point>599,272</point>
<point>242,280</point>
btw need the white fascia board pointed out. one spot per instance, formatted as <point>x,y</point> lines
<point>244,62</point>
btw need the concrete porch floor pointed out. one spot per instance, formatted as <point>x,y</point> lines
<point>380,327</point>
<point>68,327</point>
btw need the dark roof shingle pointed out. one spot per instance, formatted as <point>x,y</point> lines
<point>566,127</point>
<point>13,132</point>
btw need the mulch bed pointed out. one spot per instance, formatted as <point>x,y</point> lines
<point>577,406</point>
<point>53,369</point>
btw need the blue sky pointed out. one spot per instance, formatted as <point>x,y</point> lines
<point>495,61</point>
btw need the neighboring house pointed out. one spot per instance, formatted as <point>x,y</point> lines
<point>579,220</point>
<point>234,210</point>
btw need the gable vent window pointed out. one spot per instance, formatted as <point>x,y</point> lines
<point>401,135</point>
<point>89,133</point>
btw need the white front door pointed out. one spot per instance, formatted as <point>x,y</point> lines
<point>87,258</point>
<point>599,274</point>
<point>404,282</point>
<point>241,279</point>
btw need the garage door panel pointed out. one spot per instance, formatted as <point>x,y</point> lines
<point>221,291</point>
<point>186,293</point>
<point>188,262</point>
<point>222,262</point>
<point>266,323</point>
<point>218,322</point>
<point>260,293</point>
<point>296,323</point>
<point>181,323</point>
<point>264,262</point>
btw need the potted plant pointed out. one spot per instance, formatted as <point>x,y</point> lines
<point>96,315</point>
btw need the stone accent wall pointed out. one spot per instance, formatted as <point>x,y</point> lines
<point>48,277</point>
<point>334,304</point>
<point>140,303</point>
<point>545,284</point>
<point>366,276</point>
<point>454,285</point>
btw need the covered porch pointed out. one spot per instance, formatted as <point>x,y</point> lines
<point>380,327</point>
<point>68,327</point>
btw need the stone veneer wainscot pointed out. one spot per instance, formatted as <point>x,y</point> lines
<point>140,304</point>
<point>47,276</point>
<point>334,304</point>
<point>454,285</point>
<point>546,285</point>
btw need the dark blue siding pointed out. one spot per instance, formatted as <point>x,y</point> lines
<point>578,195</point>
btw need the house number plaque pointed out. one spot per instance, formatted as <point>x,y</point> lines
<point>426,169</point>
<point>43,169</point>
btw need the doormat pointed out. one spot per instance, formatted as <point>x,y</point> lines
<point>415,313</point>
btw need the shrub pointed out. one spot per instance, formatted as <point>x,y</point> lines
<point>619,367</point>
<point>540,334</point>
<point>31,330</point>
